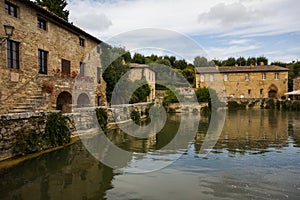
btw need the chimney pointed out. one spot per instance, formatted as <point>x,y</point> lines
<point>251,66</point>
<point>217,67</point>
<point>261,63</point>
<point>236,65</point>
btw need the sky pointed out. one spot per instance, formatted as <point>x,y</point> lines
<point>216,29</point>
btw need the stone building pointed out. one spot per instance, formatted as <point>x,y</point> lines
<point>48,63</point>
<point>263,81</point>
<point>138,71</point>
<point>296,83</point>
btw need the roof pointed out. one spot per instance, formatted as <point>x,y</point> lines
<point>137,65</point>
<point>58,20</point>
<point>234,69</point>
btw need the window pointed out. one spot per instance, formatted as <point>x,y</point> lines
<point>261,93</point>
<point>247,77</point>
<point>211,77</point>
<point>11,9</point>
<point>82,69</point>
<point>225,77</point>
<point>81,42</point>
<point>42,61</point>
<point>42,24</point>
<point>249,93</point>
<point>276,76</point>
<point>13,54</point>
<point>202,78</point>
<point>264,76</point>
<point>65,67</point>
<point>99,71</point>
<point>224,93</point>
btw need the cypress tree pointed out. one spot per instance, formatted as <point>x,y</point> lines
<point>56,6</point>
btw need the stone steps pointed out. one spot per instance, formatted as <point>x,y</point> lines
<point>30,104</point>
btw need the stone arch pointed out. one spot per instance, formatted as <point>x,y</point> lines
<point>272,91</point>
<point>64,102</point>
<point>83,100</point>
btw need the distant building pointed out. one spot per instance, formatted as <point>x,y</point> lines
<point>46,53</point>
<point>263,81</point>
<point>296,83</point>
<point>140,71</point>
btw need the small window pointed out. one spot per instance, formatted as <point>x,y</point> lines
<point>81,42</point>
<point>65,67</point>
<point>249,93</point>
<point>11,9</point>
<point>42,24</point>
<point>276,76</point>
<point>261,93</point>
<point>202,78</point>
<point>225,77</point>
<point>42,61</point>
<point>247,77</point>
<point>82,69</point>
<point>211,77</point>
<point>264,76</point>
<point>13,55</point>
<point>224,93</point>
<point>99,71</point>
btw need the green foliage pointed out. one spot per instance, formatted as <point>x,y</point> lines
<point>277,105</point>
<point>172,97</point>
<point>200,61</point>
<point>102,117</point>
<point>261,59</point>
<point>241,61</point>
<point>270,104</point>
<point>180,64</point>
<point>56,6</point>
<point>135,116</point>
<point>30,143</point>
<point>138,58</point>
<point>233,105</point>
<point>251,61</point>
<point>205,111</point>
<point>141,94</point>
<point>296,105</point>
<point>203,95</point>
<point>229,62</point>
<point>57,132</point>
<point>189,74</point>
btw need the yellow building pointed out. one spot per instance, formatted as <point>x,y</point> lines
<point>45,53</point>
<point>263,81</point>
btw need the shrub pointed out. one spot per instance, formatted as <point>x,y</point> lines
<point>233,105</point>
<point>56,131</point>
<point>101,114</point>
<point>29,143</point>
<point>135,116</point>
<point>270,104</point>
<point>296,105</point>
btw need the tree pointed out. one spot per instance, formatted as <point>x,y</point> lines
<point>200,61</point>
<point>229,62</point>
<point>251,61</point>
<point>261,59</point>
<point>241,61</point>
<point>180,64</point>
<point>56,6</point>
<point>138,58</point>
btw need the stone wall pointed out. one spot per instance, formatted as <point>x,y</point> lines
<point>11,124</point>
<point>59,41</point>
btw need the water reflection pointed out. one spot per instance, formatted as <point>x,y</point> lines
<point>70,173</point>
<point>255,157</point>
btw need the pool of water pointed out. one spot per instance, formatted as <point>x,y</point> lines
<point>256,156</point>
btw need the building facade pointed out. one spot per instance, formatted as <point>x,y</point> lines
<point>140,71</point>
<point>296,83</point>
<point>263,81</point>
<point>48,63</point>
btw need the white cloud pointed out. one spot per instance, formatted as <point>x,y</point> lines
<point>240,20</point>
